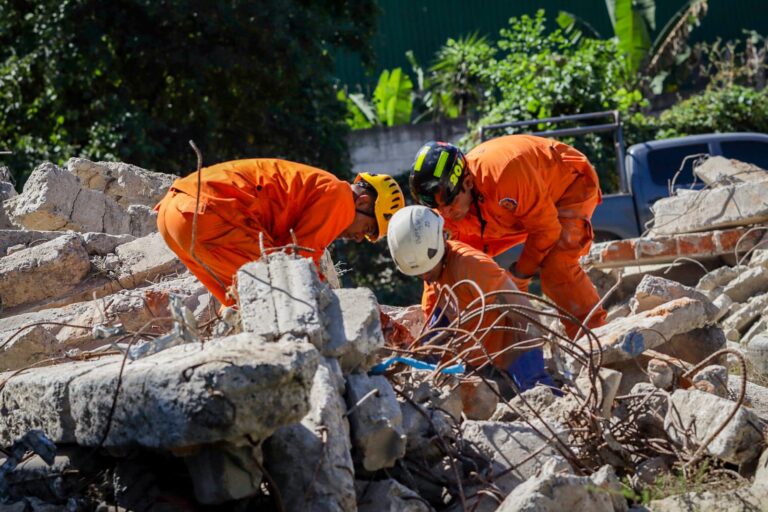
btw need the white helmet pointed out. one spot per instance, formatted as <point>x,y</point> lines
<point>415,238</point>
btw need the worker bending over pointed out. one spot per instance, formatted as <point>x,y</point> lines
<point>516,189</point>
<point>277,200</point>
<point>419,248</point>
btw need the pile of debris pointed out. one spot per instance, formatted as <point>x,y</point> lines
<point>124,386</point>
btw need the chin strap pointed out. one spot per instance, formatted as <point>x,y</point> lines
<point>483,223</point>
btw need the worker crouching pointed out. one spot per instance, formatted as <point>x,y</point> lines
<point>419,248</point>
<point>246,206</point>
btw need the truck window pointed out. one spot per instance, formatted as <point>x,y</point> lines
<point>750,151</point>
<point>664,163</point>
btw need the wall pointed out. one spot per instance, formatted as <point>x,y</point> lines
<point>392,150</point>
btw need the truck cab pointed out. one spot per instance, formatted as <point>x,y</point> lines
<point>652,168</point>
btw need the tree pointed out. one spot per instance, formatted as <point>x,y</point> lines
<point>134,80</point>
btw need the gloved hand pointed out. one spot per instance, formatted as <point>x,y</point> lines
<point>521,282</point>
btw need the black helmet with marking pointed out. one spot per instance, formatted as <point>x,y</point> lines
<point>439,168</point>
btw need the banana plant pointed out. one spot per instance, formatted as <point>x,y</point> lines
<point>392,102</point>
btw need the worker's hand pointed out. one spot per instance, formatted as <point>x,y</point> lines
<point>521,282</point>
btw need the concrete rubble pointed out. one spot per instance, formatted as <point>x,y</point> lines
<point>114,354</point>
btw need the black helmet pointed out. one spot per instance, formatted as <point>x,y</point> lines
<point>438,168</point>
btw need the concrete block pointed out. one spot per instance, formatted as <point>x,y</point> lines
<point>225,472</point>
<point>282,295</point>
<point>628,337</point>
<point>716,208</point>
<point>183,396</point>
<point>311,461</point>
<point>720,171</point>
<point>125,183</point>
<point>607,382</point>
<point>43,271</point>
<point>749,283</point>
<point>756,396</point>
<point>510,447</point>
<point>552,491</point>
<point>747,499</point>
<point>719,277</point>
<point>134,309</point>
<point>421,423</point>
<point>757,353</point>
<point>746,314</point>
<point>660,374</point>
<point>375,420</point>
<point>7,191</point>
<point>654,291</point>
<point>538,397</point>
<point>354,330</point>
<point>102,244</point>
<point>478,400</point>
<point>700,414</point>
<point>388,496</point>
<point>716,376</point>
<point>758,328</point>
<point>53,199</point>
<point>722,305</point>
<point>13,237</point>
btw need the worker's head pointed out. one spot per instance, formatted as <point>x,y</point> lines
<point>416,242</point>
<point>377,198</point>
<point>439,179</point>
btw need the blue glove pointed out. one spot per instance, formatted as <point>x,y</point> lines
<point>528,370</point>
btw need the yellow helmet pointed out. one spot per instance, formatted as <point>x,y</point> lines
<point>389,199</point>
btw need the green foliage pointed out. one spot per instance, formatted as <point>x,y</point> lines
<point>632,22</point>
<point>453,76</point>
<point>136,80</point>
<point>392,97</point>
<point>734,109</point>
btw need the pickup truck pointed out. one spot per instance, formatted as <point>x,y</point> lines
<point>646,170</point>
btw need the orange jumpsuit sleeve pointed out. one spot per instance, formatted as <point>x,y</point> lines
<point>325,216</point>
<point>535,211</point>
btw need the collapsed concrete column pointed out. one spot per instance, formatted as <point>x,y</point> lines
<point>375,420</point>
<point>311,461</point>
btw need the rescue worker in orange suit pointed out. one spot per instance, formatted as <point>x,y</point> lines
<point>515,189</point>
<point>418,248</point>
<point>277,200</point>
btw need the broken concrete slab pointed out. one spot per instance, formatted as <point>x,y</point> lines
<point>388,496</point>
<point>225,472</point>
<point>516,451</point>
<point>183,396</point>
<point>538,397</point>
<point>715,208</point>
<point>747,313</point>
<point>695,345</point>
<point>720,171</point>
<point>668,248</point>
<point>552,491</point>
<point>719,277</point>
<point>133,264</point>
<point>607,384</point>
<point>101,244</point>
<point>53,199</point>
<point>748,284</point>
<point>746,499</point>
<point>654,291</point>
<point>49,269</point>
<point>756,395</point>
<point>354,330</point>
<point>282,294</point>
<point>693,415</point>
<point>30,337</point>
<point>375,420</point>
<point>421,424</point>
<point>13,237</point>
<point>757,353</point>
<point>628,337</point>
<point>125,183</point>
<point>311,461</point>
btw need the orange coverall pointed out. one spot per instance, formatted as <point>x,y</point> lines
<point>242,198</point>
<point>541,192</point>
<point>464,262</point>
